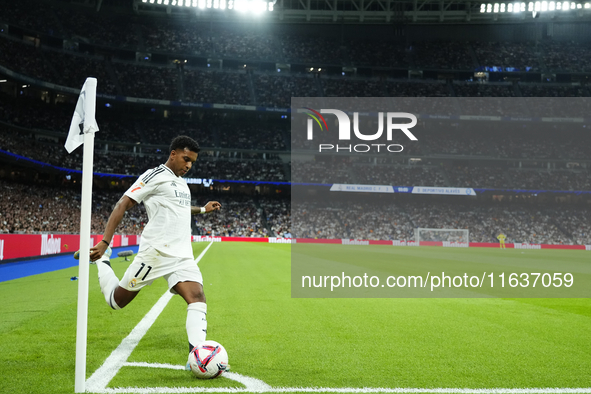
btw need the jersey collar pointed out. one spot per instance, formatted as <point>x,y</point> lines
<point>169,170</point>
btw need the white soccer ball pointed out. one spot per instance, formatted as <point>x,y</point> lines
<point>208,360</point>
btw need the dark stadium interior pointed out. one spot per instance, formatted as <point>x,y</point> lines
<point>229,86</point>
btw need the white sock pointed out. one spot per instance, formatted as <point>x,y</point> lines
<point>196,323</point>
<point>108,282</point>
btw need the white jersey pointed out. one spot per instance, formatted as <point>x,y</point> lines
<point>167,199</point>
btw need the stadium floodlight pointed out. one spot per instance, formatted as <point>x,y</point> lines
<point>159,2</point>
<point>587,6</point>
<point>522,7</point>
<point>510,7</point>
<point>551,6</point>
<point>489,7</point>
<point>201,4</point>
<point>231,4</point>
<point>209,4</point>
<point>151,1</point>
<point>572,6</point>
<point>502,7</point>
<point>166,2</point>
<point>241,5</point>
<point>222,4</point>
<point>271,5</point>
<point>216,4</point>
<point>544,6</point>
<point>496,8</point>
<point>482,8</point>
<point>258,6</point>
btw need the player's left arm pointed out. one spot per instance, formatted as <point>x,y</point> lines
<point>208,208</point>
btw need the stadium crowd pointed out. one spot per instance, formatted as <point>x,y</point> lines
<point>28,209</point>
<point>79,23</point>
<point>132,145</point>
<point>247,87</point>
<point>35,208</point>
<point>398,221</point>
<point>121,159</point>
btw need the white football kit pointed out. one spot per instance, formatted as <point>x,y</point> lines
<point>165,245</point>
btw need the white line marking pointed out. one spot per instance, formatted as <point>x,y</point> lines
<point>102,376</point>
<point>98,382</point>
<point>252,384</point>
<point>366,390</point>
<point>153,365</point>
<point>106,372</point>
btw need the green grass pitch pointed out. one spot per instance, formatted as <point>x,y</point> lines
<point>285,342</point>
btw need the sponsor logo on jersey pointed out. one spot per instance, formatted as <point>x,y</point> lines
<point>173,184</point>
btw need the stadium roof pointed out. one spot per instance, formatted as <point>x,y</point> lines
<point>372,11</point>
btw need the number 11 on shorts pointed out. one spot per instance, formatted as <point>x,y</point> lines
<point>140,270</point>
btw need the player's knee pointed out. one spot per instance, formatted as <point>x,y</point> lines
<point>122,297</point>
<point>198,295</point>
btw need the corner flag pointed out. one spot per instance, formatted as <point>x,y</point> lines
<point>82,131</point>
<point>83,120</point>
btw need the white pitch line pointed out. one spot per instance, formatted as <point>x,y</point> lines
<point>106,372</point>
<point>258,386</point>
<point>152,365</point>
<point>98,382</point>
<point>251,384</point>
<point>366,390</point>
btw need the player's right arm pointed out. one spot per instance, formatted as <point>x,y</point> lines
<point>125,203</point>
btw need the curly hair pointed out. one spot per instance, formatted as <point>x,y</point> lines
<point>182,142</point>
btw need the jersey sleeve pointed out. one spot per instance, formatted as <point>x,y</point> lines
<point>143,186</point>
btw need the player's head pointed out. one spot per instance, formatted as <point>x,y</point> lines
<point>183,153</point>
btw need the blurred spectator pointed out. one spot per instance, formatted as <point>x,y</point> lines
<point>518,55</point>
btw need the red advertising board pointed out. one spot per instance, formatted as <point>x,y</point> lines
<point>13,246</point>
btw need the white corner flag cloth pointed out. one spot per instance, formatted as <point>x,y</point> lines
<point>84,116</point>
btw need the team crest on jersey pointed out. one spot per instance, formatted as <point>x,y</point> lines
<point>132,282</point>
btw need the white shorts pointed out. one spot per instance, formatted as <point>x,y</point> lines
<point>151,264</point>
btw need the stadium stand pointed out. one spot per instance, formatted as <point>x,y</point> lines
<point>255,148</point>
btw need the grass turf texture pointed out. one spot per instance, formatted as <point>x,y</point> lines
<point>455,343</point>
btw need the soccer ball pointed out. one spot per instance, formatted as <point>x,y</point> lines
<point>208,360</point>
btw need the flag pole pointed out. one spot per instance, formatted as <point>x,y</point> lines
<point>84,114</point>
<point>84,260</point>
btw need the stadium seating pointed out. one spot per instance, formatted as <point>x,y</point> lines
<point>234,149</point>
